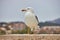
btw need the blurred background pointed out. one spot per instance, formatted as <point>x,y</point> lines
<point>45,9</point>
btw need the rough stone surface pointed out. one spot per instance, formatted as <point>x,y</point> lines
<point>30,37</point>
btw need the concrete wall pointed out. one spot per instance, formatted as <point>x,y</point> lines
<point>30,37</point>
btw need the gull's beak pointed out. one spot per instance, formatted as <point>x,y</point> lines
<point>23,10</point>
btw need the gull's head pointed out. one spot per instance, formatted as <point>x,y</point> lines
<point>28,9</point>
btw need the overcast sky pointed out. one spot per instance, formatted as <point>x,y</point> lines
<point>45,9</point>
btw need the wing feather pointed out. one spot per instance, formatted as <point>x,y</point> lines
<point>37,19</point>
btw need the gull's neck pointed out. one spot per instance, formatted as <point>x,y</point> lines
<point>28,13</point>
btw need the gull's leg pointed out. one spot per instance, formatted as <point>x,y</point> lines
<point>28,31</point>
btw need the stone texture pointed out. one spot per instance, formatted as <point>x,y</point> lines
<point>30,37</point>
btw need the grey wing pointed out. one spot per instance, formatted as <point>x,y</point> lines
<point>37,19</point>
